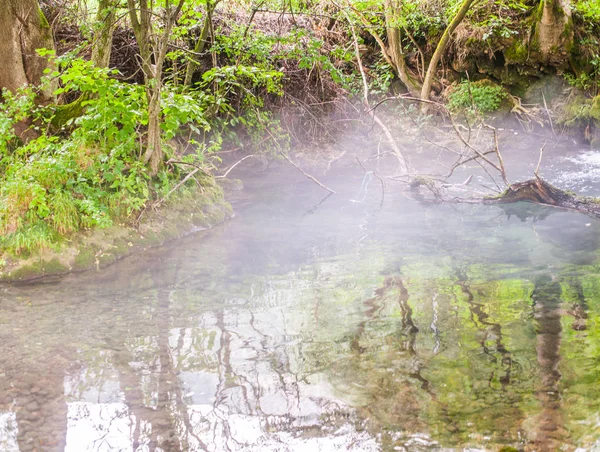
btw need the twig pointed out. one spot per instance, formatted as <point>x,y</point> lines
<point>498,154</point>
<point>234,165</point>
<point>254,11</point>
<point>337,157</point>
<point>549,117</point>
<point>461,162</point>
<point>183,181</point>
<point>306,174</point>
<point>370,111</point>
<point>378,155</point>
<point>298,13</point>
<point>377,176</point>
<point>454,126</point>
<point>537,168</point>
<point>198,167</point>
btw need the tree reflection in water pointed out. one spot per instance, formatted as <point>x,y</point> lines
<point>344,348</point>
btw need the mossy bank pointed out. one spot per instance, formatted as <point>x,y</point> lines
<point>100,247</point>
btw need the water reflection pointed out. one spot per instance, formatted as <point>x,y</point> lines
<point>330,326</point>
<point>549,432</point>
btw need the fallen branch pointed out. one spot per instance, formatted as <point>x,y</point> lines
<point>234,165</point>
<point>479,154</point>
<point>183,181</point>
<point>306,174</point>
<point>371,112</point>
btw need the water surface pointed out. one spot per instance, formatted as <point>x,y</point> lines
<point>307,323</point>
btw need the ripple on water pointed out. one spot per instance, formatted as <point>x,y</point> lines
<point>355,328</point>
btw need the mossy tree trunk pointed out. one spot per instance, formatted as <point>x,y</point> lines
<point>200,45</point>
<point>441,47</point>
<point>23,30</point>
<point>394,48</point>
<point>153,45</point>
<point>554,33</point>
<point>106,21</point>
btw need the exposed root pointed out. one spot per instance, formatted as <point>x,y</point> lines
<point>541,192</point>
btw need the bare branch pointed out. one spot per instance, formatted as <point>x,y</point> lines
<point>234,165</point>
<point>306,174</point>
<point>371,112</point>
<point>537,168</point>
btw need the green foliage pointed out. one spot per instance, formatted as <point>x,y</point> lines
<point>579,110</point>
<point>16,108</point>
<point>589,10</point>
<point>88,174</point>
<point>482,96</point>
<point>239,93</point>
<point>583,81</point>
<point>588,77</point>
<point>382,80</point>
<point>499,27</point>
<point>270,52</point>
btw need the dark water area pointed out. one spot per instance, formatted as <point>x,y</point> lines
<point>313,323</point>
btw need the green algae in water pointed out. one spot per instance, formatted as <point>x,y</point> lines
<point>347,327</point>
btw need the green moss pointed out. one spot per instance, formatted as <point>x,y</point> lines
<point>595,108</point>
<point>108,258</point>
<point>64,113</point>
<point>557,9</point>
<point>567,34</point>
<point>37,269</point>
<point>54,267</point>
<point>473,42</point>
<point>517,53</point>
<point>43,21</point>
<point>86,258</point>
<point>24,273</point>
<point>539,12</point>
<point>576,111</point>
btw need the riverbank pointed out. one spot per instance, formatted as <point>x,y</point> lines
<point>82,183</point>
<point>100,247</point>
<point>338,324</point>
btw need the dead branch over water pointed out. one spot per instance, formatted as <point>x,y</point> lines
<point>491,161</point>
<point>371,112</point>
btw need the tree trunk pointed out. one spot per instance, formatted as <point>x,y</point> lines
<point>554,32</point>
<point>395,51</point>
<point>153,50</point>
<point>23,30</point>
<point>106,20</point>
<point>441,47</point>
<point>200,44</point>
<point>154,154</point>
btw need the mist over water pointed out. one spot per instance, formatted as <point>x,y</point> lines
<point>314,322</point>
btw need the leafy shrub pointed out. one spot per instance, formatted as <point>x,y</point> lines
<point>482,96</point>
<point>89,172</point>
<point>589,9</point>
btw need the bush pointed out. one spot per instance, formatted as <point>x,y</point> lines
<point>87,173</point>
<point>480,96</point>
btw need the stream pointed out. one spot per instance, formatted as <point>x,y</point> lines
<point>314,323</point>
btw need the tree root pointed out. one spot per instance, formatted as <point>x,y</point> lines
<point>541,192</point>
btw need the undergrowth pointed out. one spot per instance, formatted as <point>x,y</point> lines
<point>483,96</point>
<point>89,172</point>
